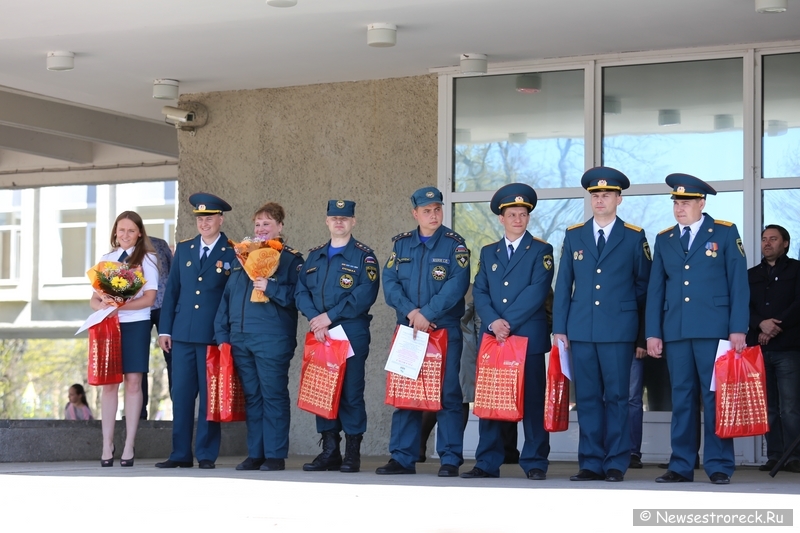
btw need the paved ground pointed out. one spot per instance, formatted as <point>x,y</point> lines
<point>143,498</point>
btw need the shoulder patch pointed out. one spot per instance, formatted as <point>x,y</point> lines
<point>541,241</point>
<point>723,223</point>
<point>317,247</point>
<point>665,230</point>
<point>455,236</point>
<point>575,226</point>
<point>401,236</point>
<point>291,250</point>
<point>363,247</point>
<point>631,226</point>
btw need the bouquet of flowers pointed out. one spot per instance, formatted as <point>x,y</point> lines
<point>259,258</point>
<point>116,282</point>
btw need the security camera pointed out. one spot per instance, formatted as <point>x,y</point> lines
<point>187,118</point>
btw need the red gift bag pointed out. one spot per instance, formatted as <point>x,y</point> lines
<point>500,378</point>
<point>225,394</point>
<point>741,394</point>
<point>322,376</point>
<point>105,352</point>
<point>425,392</point>
<point>556,396</point>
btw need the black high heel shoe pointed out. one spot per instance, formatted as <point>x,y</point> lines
<point>109,462</point>
<point>127,462</point>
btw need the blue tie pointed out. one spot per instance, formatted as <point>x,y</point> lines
<point>123,257</point>
<point>687,233</point>
<point>204,256</point>
<point>510,250</point>
<point>601,242</point>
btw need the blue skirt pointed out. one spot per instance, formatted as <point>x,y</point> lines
<point>135,346</point>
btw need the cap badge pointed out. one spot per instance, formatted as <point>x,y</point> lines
<point>602,183</point>
<point>340,204</point>
<point>680,190</point>
<point>429,194</point>
<point>519,199</point>
<point>201,207</point>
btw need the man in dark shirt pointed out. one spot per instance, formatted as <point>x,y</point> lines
<point>775,325</point>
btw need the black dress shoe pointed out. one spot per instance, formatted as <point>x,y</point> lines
<point>672,477</point>
<point>587,475</point>
<point>250,464</point>
<point>614,475</point>
<point>718,478</point>
<point>169,463</point>
<point>206,464</point>
<point>393,467</point>
<point>476,473</point>
<point>448,471</point>
<point>636,462</point>
<point>768,466</point>
<point>536,474</point>
<point>270,465</point>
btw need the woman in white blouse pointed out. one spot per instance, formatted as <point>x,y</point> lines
<point>131,245</point>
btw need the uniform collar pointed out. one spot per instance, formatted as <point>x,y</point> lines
<point>431,241</point>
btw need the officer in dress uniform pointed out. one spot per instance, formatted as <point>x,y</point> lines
<point>200,269</point>
<point>337,286</point>
<point>599,297</point>
<point>512,284</point>
<point>424,281</point>
<point>698,294</point>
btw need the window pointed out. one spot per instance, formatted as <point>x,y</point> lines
<point>781,115</point>
<point>68,230</point>
<point>154,202</point>
<point>10,234</point>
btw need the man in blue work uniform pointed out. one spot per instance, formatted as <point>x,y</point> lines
<point>698,294</point>
<point>600,293</point>
<point>337,286</point>
<point>425,280</point>
<point>510,290</point>
<point>200,270</point>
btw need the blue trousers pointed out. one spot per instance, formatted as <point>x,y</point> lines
<point>262,361</point>
<point>491,450</point>
<point>635,406</point>
<point>407,425</point>
<point>352,408</point>
<point>690,364</point>
<point>189,380</point>
<point>783,401</point>
<point>602,373</point>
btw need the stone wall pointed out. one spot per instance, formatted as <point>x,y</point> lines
<point>373,142</point>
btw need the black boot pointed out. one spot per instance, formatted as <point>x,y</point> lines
<point>352,453</point>
<point>331,457</point>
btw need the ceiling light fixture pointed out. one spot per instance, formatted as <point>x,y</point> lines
<point>723,122</point>
<point>669,117</point>
<point>282,3</point>
<point>60,60</point>
<point>771,6</point>
<point>165,89</point>
<point>529,83</point>
<point>381,35</point>
<point>612,105</point>
<point>474,63</point>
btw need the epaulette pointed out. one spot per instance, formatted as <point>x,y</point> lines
<point>723,223</point>
<point>540,240</point>
<point>575,226</point>
<point>456,237</point>
<point>401,236</point>
<point>317,247</point>
<point>634,228</point>
<point>666,230</point>
<point>363,247</point>
<point>291,250</point>
<point>186,240</point>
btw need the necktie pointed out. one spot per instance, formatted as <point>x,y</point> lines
<point>123,257</point>
<point>204,256</point>
<point>687,234</point>
<point>601,242</point>
<point>510,250</point>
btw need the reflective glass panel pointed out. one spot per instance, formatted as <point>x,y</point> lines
<point>781,147</point>
<point>674,117</point>
<point>525,128</point>
<point>780,207</point>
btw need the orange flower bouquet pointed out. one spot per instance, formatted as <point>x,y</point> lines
<point>259,258</point>
<point>116,282</point>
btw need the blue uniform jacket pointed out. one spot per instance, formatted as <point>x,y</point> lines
<point>192,295</point>
<point>703,294</point>
<point>278,316</point>
<point>432,276</point>
<point>515,289</point>
<point>345,287</point>
<point>601,298</point>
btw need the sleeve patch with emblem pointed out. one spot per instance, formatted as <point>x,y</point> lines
<point>372,272</point>
<point>548,262</point>
<point>739,245</point>
<point>647,251</point>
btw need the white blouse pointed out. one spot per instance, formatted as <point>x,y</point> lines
<point>150,273</point>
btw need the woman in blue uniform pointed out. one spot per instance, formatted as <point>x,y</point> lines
<point>263,338</point>
<point>130,245</point>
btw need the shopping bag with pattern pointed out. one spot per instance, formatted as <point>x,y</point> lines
<point>425,392</point>
<point>500,378</point>
<point>322,375</point>
<point>741,394</point>
<point>556,396</point>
